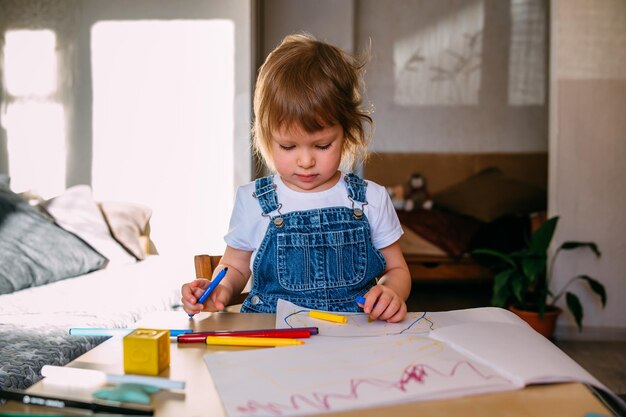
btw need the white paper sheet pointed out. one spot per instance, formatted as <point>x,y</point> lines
<point>290,315</point>
<point>364,364</point>
<point>316,378</point>
<point>520,353</point>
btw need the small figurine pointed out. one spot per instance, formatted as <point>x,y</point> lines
<point>417,195</point>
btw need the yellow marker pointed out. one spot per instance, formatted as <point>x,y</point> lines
<point>336,318</point>
<point>251,341</point>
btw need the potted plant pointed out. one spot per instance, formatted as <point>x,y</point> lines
<point>522,280</point>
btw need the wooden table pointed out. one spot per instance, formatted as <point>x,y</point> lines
<point>200,397</point>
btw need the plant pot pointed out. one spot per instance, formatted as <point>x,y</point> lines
<point>546,325</point>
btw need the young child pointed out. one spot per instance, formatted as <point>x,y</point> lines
<point>311,234</point>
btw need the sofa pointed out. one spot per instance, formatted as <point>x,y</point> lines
<point>70,261</point>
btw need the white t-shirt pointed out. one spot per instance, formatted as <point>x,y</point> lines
<point>247,225</point>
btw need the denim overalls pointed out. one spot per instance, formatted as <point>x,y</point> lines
<point>320,258</point>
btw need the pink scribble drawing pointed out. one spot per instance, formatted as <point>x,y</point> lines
<point>412,374</point>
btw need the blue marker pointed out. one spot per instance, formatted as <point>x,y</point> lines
<point>361,300</point>
<point>99,331</point>
<point>211,287</point>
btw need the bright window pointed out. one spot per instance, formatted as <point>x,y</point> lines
<point>163,126</point>
<point>35,119</point>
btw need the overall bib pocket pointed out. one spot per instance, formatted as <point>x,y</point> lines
<point>311,261</point>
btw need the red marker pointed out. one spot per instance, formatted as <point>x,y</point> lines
<point>282,333</point>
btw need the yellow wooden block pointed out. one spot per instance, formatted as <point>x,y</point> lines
<point>146,351</point>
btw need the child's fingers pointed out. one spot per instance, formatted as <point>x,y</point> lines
<point>187,299</point>
<point>197,293</point>
<point>381,306</point>
<point>217,300</point>
<point>391,310</point>
<point>191,307</point>
<point>399,316</point>
<point>195,309</point>
<point>371,299</point>
<point>382,303</point>
<point>190,293</point>
<point>197,288</point>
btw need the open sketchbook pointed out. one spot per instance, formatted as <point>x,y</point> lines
<point>364,364</point>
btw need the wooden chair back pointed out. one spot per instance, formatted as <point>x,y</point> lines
<point>205,265</point>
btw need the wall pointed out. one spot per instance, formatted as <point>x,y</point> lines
<point>329,20</point>
<point>456,75</point>
<point>587,151</point>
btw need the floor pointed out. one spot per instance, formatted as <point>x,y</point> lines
<point>604,360</point>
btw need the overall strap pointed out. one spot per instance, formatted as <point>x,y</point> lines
<point>265,193</point>
<point>356,188</point>
<point>356,193</point>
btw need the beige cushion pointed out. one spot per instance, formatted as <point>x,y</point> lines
<point>76,211</point>
<point>129,225</point>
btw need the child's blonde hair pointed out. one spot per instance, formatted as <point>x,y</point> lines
<point>311,84</point>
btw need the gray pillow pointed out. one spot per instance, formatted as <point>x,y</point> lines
<point>34,251</point>
<point>4,181</point>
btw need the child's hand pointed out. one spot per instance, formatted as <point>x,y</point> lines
<point>192,291</point>
<point>382,303</point>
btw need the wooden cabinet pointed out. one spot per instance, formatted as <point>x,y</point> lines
<point>444,268</point>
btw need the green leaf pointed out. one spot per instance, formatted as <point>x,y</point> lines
<point>573,303</point>
<point>502,256</point>
<point>501,291</point>
<point>518,286</point>
<point>595,287</point>
<point>575,245</point>
<point>540,240</point>
<point>533,266</point>
<point>522,253</point>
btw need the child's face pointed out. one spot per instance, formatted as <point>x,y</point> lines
<point>306,161</point>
